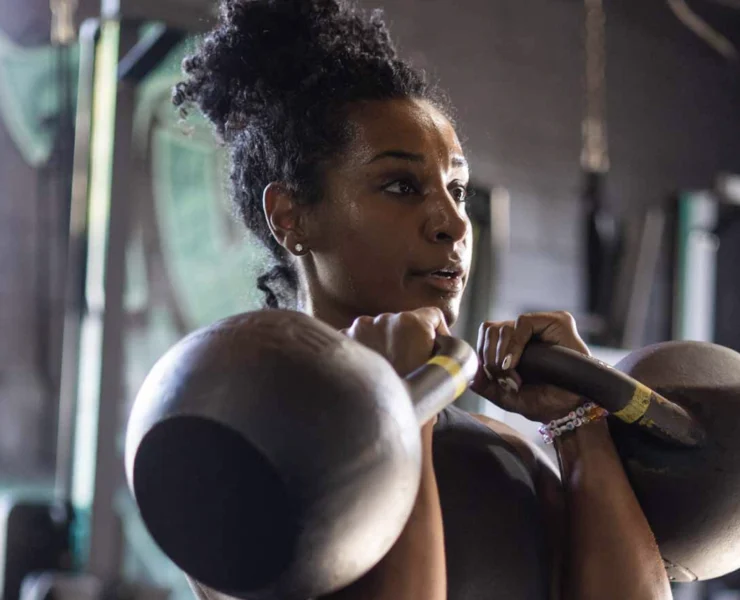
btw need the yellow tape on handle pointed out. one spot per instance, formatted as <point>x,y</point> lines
<point>453,369</point>
<point>637,406</point>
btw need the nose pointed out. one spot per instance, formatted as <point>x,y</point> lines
<point>446,221</point>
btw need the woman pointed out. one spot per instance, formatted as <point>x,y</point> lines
<point>346,164</point>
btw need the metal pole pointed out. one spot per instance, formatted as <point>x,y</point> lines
<point>75,263</point>
<point>97,468</point>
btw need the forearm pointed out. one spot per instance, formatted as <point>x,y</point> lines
<point>611,551</point>
<point>415,567</point>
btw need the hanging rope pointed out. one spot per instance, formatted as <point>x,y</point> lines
<point>595,153</point>
<point>62,21</point>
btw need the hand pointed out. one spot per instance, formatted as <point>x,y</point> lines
<point>406,339</point>
<point>500,347</point>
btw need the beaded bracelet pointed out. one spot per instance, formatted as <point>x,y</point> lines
<point>575,418</point>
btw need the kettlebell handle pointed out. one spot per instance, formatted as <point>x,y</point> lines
<point>443,378</point>
<point>624,397</point>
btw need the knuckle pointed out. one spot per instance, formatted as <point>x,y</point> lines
<point>523,321</point>
<point>565,316</point>
<point>363,321</point>
<point>569,321</point>
<point>408,319</point>
<point>438,312</point>
<point>490,333</point>
<point>492,327</point>
<point>361,328</point>
<point>381,319</point>
<point>507,328</point>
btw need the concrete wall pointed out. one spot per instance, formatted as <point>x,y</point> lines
<point>514,71</point>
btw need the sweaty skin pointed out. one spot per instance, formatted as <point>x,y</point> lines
<point>389,237</point>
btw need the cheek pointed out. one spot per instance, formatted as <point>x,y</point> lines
<point>374,246</point>
<point>362,227</point>
<point>362,248</point>
<point>469,241</point>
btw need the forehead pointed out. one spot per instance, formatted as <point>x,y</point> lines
<point>401,124</point>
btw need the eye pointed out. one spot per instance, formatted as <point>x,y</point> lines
<point>401,187</point>
<point>461,193</point>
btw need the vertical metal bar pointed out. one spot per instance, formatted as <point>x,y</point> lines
<point>74,265</point>
<point>97,466</point>
<point>695,298</point>
<point>643,276</point>
<point>105,533</point>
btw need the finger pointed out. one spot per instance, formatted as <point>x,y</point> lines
<point>434,317</point>
<point>553,328</point>
<point>443,329</point>
<point>508,378</point>
<point>566,334</point>
<point>503,358</point>
<point>510,381</point>
<point>488,351</point>
<point>481,341</point>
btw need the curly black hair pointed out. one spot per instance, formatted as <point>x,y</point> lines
<point>275,78</point>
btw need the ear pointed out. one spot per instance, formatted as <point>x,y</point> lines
<point>283,214</point>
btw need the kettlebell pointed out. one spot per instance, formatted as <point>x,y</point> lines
<point>273,457</point>
<point>675,421</point>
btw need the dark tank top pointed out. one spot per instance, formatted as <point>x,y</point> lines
<point>493,526</point>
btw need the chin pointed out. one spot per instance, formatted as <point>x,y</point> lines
<point>419,294</point>
<point>451,313</point>
<point>449,305</point>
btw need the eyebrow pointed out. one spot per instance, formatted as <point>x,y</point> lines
<point>457,160</point>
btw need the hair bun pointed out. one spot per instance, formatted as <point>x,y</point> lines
<point>265,54</point>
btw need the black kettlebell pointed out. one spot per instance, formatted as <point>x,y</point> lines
<point>272,457</point>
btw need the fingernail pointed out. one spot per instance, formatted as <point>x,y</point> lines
<point>506,364</point>
<point>488,373</point>
<point>509,384</point>
<point>513,385</point>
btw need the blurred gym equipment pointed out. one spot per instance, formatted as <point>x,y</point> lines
<point>36,536</point>
<point>78,528</point>
<point>218,413</point>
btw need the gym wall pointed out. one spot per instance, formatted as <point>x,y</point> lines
<point>514,71</point>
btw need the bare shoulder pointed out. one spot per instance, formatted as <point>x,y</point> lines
<point>532,456</point>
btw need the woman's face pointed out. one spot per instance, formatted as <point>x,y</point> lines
<point>391,233</point>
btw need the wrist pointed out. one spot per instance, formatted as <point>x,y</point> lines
<point>589,438</point>
<point>580,416</point>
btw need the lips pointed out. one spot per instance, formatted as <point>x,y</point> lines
<point>445,283</point>
<point>447,278</point>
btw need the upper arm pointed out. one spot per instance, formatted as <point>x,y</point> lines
<point>548,486</point>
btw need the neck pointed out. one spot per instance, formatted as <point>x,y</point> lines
<point>329,312</point>
<point>313,300</point>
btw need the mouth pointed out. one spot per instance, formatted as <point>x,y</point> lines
<point>450,278</point>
